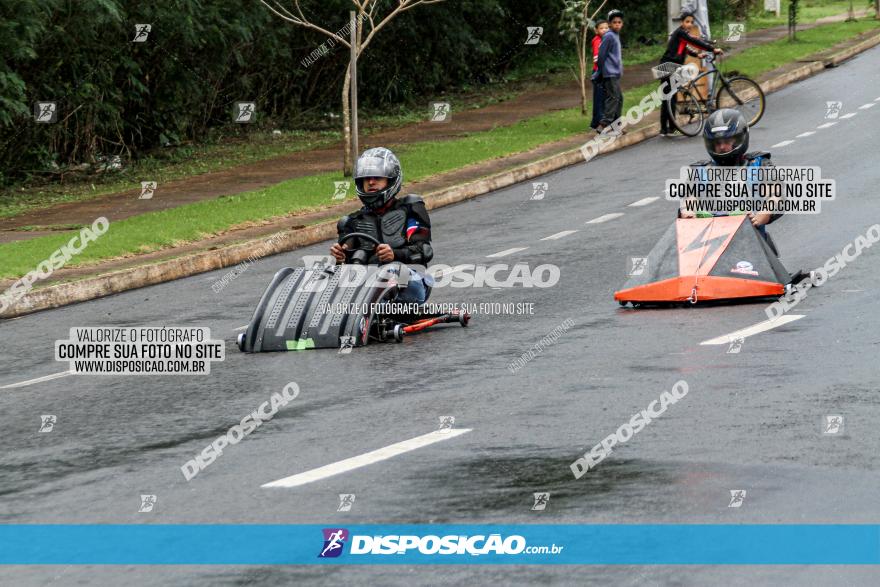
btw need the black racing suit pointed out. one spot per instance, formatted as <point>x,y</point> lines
<point>404,225</point>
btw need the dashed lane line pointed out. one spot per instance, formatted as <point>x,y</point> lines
<point>754,329</point>
<point>506,252</point>
<point>558,235</point>
<point>604,218</point>
<point>365,459</point>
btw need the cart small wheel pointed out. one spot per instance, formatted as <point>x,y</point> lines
<point>813,278</point>
<point>463,319</point>
<point>788,289</point>
<point>240,341</point>
<point>622,303</point>
<point>398,333</point>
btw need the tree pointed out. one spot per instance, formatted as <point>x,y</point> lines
<point>575,24</point>
<point>368,11</point>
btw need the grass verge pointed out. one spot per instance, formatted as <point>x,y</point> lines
<point>157,230</point>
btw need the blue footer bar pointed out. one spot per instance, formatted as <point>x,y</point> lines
<point>659,544</point>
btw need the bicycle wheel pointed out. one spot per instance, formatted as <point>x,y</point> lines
<point>744,95</point>
<point>687,115</point>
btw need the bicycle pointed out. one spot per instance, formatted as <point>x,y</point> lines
<point>689,111</point>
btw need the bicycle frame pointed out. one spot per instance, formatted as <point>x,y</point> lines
<point>713,82</point>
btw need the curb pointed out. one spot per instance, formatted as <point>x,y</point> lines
<point>176,268</point>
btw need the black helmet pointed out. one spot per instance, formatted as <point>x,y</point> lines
<point>614,13</point>
<point>378,162</point>
<point>722,127</point>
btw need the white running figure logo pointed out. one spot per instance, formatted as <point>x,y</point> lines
<point>334,544</point>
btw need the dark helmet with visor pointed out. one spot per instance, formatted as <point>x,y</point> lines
<point>726,135</point>
<point>378,162</point>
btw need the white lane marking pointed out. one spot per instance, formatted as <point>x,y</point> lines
<point>754,329</point>
<point>850,115</point>
<point>877,99</point>
<point>367,458</point>
<point>782,144</point>
<point>558,235</point>
<point>866,106</point>
<point>605,218</point>
<point>240,328</point>
<point>805,134</point>
<point>506,252</point>
<point>827,125</point>
<point>37,380</point>
<point>644,201</point>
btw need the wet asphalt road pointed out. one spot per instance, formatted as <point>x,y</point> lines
<point>751,420</point>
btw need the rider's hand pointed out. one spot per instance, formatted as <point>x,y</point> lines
<point>758,220</point>
<point>338,251</point>
<point>686,214</point>
<point>718,51</point>
<point>385,254</point>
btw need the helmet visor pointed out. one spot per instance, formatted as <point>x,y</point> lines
<point>371,167</point>
<point>721,145</point>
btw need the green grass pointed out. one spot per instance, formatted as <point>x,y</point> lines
<point>808,11</point>
<point>156,230</point>
<point>762,58</point>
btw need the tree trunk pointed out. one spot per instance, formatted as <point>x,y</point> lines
<point>877,9</point>
<point>346,127</point>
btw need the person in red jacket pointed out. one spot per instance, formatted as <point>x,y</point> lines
<point>598,92</point>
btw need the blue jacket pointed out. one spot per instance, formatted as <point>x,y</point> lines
<point>610,61</point>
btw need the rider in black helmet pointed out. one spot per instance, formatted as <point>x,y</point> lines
<point>402,226</point>
<point>726,136</point>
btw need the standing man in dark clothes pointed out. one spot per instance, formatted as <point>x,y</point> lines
<point>610,69</point>
<point>680,44</point>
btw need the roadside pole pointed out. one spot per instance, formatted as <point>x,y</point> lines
<point>354,88</point>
